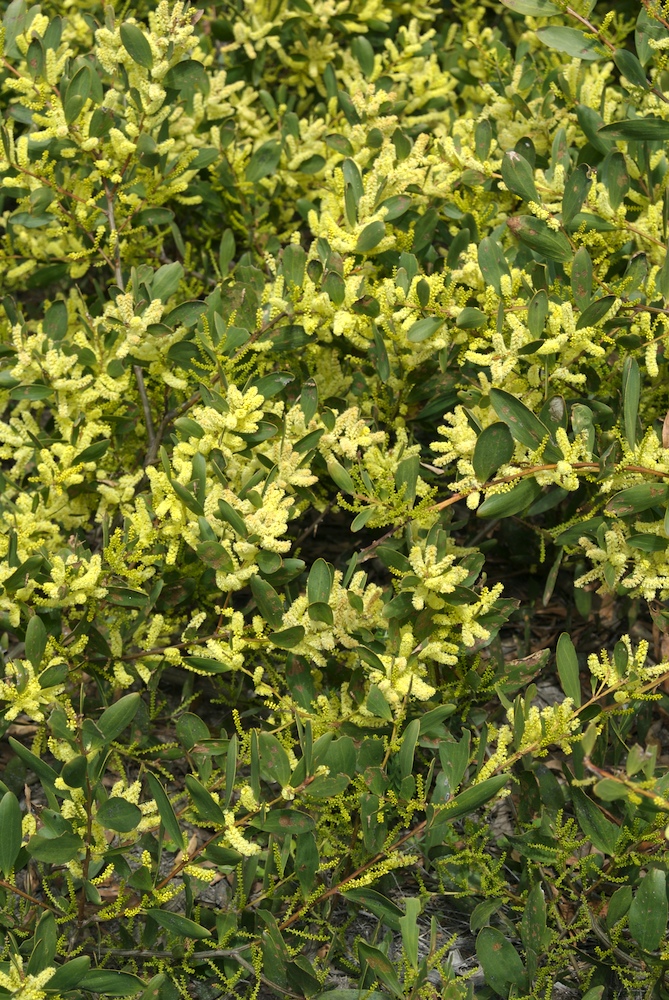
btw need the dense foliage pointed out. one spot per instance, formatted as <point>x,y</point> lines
<point>324,319</point>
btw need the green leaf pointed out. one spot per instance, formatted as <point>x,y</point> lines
<point>69,974</point>
<point>340,476</point>
<point>77,94</point>
<point>454,759</point>
<point>282,821</point>
<point>274,763</point>
<point>602,833</point>
<point>136,45</point>
<point>44,771</point>
<point>572,42</point>
<point>293,263</point>
<point>595,312</point>
<point>581,278</point>
<point>535,8</point>
<point>35,641</point>
<point>288,638</point>
<point>10,832</point>
<point>113,984</point>
<point>567,667</point>
<point>22,574</point>
<point>334,287</point>
<point>31,392</point>
<point>381,966</point>
<point>377,704</point>
<point>537,313</point>
<point>409,930</point>
<point>538,236</point>
<point>638,498</point>
<point>215,555</point>
<point>575,192</point>
<point>165,811</point>
<point>269,603</point>
<point>55,321</point>
<point>518,176</point>
<point>494,448</point>
<point>377,904</point>
<point>500,962</point>
<point>56,850</point>
<point>228,513</point>
<point>319,582</point>
<point>264,161</point>
<point>511,502</point>
<point>630,68</point>
<point>187,314</point>
<point>187,75</point>
<point>118,814</point>
<point>648,912</point>
<point>534,932</point>
<point>492,262</point>
<point>637,128</point>
<point>471,799</point>
<point>204,802</point>
<point>471,318</point>
<point>523,424</point>
<point>370,237</point>
<point>115,719</point>
<point>166,281</point>
<point>424,328</point>
<point>631,391</point>
<point>648,29</point>
<point>176,924</point>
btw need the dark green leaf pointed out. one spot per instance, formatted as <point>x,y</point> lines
<point>268,601</point>
<point>424,328</point>
<point>637,128</point>
<point>69,974</point>
<point>638,498</point>
<point>118,717</point>
<point>523,424</point>
<point>204,802</point>
<point>567,666</point>
<point>471,318</point>
<point>494,448</point>
<point>581,278</point>
<point>282,821</point>
<point>575,192</point>
<point>600,831</point>
<point>77,94</point>
<point>136,44</point>
<point>631,390</point>
<point>518,176</point>
<point>381,967</point>
<point>35,641</point>
<point>500,961</point>
<point>10,832</point>
<point>469,800</point>
<point>176,924</point>
<point>370,237</point>
<point>538,236</point>
<point>56,850</point>
<point>118,814</point>
<point>187,75</point>
<point>166,812</point>
<point>648,912</point>
<point>510,502</point>
<point>572,42</point>
<point>288,638</point>
<point>264,161</point>
<point>492,262</point>
<point>113,984</point>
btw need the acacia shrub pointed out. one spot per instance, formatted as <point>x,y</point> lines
<point>397,274</point>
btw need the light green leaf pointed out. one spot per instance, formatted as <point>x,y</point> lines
<point>567,666</point>
<point>10,832</point>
